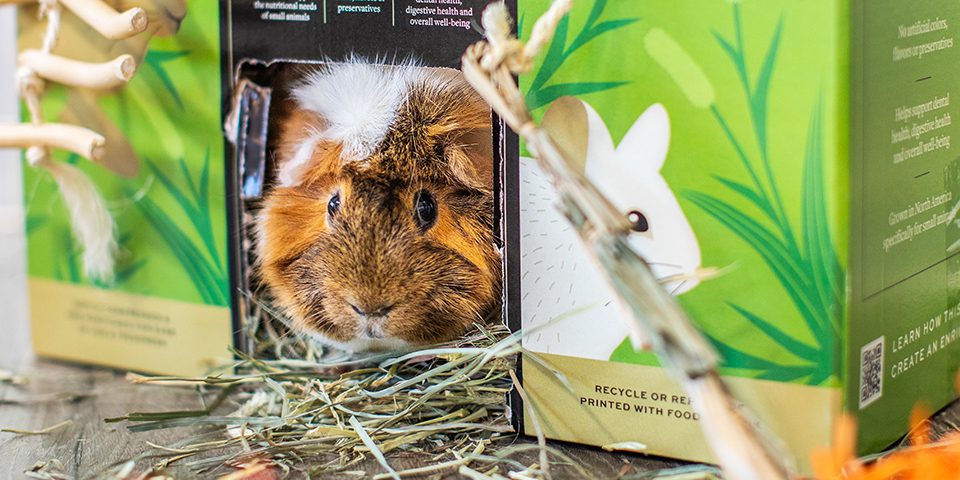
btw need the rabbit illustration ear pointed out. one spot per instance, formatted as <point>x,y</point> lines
<point>578,131</point>
<point>648,140</point>
<point>566,123</point>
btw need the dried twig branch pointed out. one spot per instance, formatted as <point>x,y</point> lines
<point>79,140</point>
<point>75,73</point>
<point>42,431</point>
<point>107,21</point>
<point>90,220</point>
<point>490,66</point>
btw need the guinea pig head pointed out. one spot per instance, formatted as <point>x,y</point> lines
<point>379,234</point>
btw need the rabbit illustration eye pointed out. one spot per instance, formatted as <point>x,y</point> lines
<point>333,206</point>
<point>638,222</point>
<point>424,210</point>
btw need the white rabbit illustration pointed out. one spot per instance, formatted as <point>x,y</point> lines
<point>559,281</point>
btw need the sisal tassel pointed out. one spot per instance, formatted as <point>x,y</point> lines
<point>90,220</point>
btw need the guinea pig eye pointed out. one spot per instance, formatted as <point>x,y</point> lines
<point>333,206</point>
<point>638,222</point>
<point>424,209</point>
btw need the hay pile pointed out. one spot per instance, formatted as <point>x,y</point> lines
<point>316,412</point>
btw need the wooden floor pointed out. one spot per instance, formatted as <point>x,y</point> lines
<point>58,392</point>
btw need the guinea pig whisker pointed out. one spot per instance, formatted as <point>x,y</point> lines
<point>663,264</point>
<point>414,179</point>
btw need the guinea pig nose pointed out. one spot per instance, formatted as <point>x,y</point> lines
<point>374,329</point>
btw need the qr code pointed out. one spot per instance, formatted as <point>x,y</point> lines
<point>871,372</point>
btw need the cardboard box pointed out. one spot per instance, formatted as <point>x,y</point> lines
<point>168,308</point>
<point>806,149</point>
<point>804,145</point>
<point>180,297</point>
<point>274,52</point>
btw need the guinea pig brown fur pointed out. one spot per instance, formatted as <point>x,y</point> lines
<point>379,232</point>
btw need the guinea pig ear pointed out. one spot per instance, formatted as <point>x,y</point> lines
<point>578,131</point>
<point>471,157</point>
<point>300,140</point>
<point>647,142</point>
<point>463,129</point>
<point>442,112</point>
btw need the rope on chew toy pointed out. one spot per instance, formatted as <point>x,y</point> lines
<point>90,220</point>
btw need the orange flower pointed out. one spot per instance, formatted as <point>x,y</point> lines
<point>923,459</point>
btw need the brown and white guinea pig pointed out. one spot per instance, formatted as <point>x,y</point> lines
<point>378,234</point>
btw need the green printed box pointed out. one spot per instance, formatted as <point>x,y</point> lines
<point>166,308</point>
<point>182,198</point>
<point>806,149</point>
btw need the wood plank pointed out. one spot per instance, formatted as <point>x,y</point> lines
<point>85,395</point>
<point>90,445</point>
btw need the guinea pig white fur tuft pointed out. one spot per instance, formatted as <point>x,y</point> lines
<point>358,101</point>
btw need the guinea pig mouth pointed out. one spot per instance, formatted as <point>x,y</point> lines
<point>363,343</point>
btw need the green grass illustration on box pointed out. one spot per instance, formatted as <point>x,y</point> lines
<point>540,91</point>
<point>171,218</point>
<point>752,180</point>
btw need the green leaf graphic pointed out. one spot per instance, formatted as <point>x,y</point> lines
<point>541,93</point>
<point>806,266</point>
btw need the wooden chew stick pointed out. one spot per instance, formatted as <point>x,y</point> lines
<point>106,20</point>
<point>80,74</point>
<point>79,140</point>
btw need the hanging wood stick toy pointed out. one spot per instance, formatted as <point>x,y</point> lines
<point>84,142</point>
<point>91,222</point>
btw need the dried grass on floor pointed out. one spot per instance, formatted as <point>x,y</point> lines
<point>306,410</point>
<point>322,412</point>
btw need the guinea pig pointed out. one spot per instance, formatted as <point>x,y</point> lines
<point>378,234</point>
